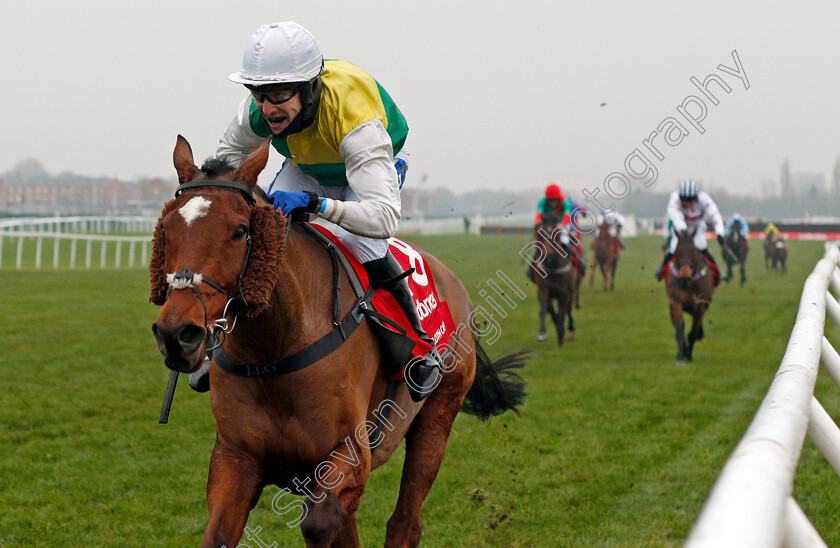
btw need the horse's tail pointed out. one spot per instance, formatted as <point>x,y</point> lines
<point>497,386</point>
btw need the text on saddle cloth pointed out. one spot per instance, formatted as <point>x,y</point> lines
<point>433,311</point>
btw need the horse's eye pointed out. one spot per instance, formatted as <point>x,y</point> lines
<point>240,233</point>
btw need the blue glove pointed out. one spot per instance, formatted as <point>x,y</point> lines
<point>289,201</point>
<point>401,167</point>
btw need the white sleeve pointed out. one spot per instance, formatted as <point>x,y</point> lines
<point>239,140</point>
<point>711,210</point>
<point>675,212</point>
<point>369,163</point>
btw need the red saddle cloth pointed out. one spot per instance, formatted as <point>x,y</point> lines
<point>715,272</point>
<point>433,311</point>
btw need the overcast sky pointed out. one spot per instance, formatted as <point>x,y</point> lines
<point>500,95</point>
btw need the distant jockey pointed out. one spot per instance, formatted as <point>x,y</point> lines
<point>741,223</point>
<point>771,232</point>
<point>563,207</point>
<point>614,222</point>
<point>688,208</point>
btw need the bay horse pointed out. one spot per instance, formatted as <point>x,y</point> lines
<point>769,244</point>
<point>556,277</point>
<point>690,288</point>
<point>737,247</point>
<point>220,248</point>
<point>606,256</point>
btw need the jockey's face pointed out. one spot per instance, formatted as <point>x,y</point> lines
<point>553,202</point>
<point>688,204</point>
<point>278,116</point>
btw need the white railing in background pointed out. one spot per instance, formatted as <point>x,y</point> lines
<point>23,233</point>
<point>751,503</point>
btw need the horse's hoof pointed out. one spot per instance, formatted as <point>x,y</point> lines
<point>679,362</point>
<point>542,337</point>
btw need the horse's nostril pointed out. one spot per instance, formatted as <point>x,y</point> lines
<point>191,336</point>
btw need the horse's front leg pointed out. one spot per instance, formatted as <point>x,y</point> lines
<point>612,275</point>
<point>696,332</point>
<point>334,499</point>
<point>233,488</point>
<point>542,296</point>
<point>679,330</point>
<point>564,308</point>
<point>606,273</point>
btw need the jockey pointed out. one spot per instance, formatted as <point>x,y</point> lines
<point>742,227</point>
<point>343,139</point>
<point>771,232</point>
<point>562,206</point>
<point>688,208</point>
<point>614,222</point>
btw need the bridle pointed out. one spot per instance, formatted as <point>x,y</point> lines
<point>187,279</point>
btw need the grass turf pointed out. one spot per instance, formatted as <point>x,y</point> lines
<point>615,445</point>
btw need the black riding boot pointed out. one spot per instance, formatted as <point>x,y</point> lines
<point>421,377</point>
<point>658,273</point>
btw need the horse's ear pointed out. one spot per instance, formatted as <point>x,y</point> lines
<point>253,166</point>
<point>184,162</point>
<point>693,232</point>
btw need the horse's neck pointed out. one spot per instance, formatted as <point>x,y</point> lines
<point>277,332</point>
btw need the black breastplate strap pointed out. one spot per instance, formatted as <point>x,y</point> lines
<point>325,345</point>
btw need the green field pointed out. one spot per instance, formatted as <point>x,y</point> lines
<point>615,445</point>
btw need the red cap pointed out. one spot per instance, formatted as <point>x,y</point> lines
<point>552,192</point>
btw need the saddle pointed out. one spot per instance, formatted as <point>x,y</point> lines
<point>398,340</point>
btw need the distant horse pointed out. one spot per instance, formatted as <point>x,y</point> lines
<point>690,288</point>
<point>779,256</point>
<point>221,251</point>
<point>735,252</point>
<point>769,244</point>
<point>556,277</point>
<point>606,257</point>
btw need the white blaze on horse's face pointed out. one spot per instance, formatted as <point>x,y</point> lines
<point>195,208</point>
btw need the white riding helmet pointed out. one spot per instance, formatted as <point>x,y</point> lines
<point>280,53</point>
<point>688,190</point>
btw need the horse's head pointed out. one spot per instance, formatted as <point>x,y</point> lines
<point>688,262</point>
<point>216,252</point>
<point>551,235</point>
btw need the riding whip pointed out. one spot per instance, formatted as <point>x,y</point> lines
<point>167,397</point>
<point>730,253</point>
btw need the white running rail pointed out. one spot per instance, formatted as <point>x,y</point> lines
<point>26,237</point>
<point>751,504</point>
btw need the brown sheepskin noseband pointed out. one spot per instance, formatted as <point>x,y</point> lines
<point>268,238</point>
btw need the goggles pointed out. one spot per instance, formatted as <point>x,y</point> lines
<point>275,97</point>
